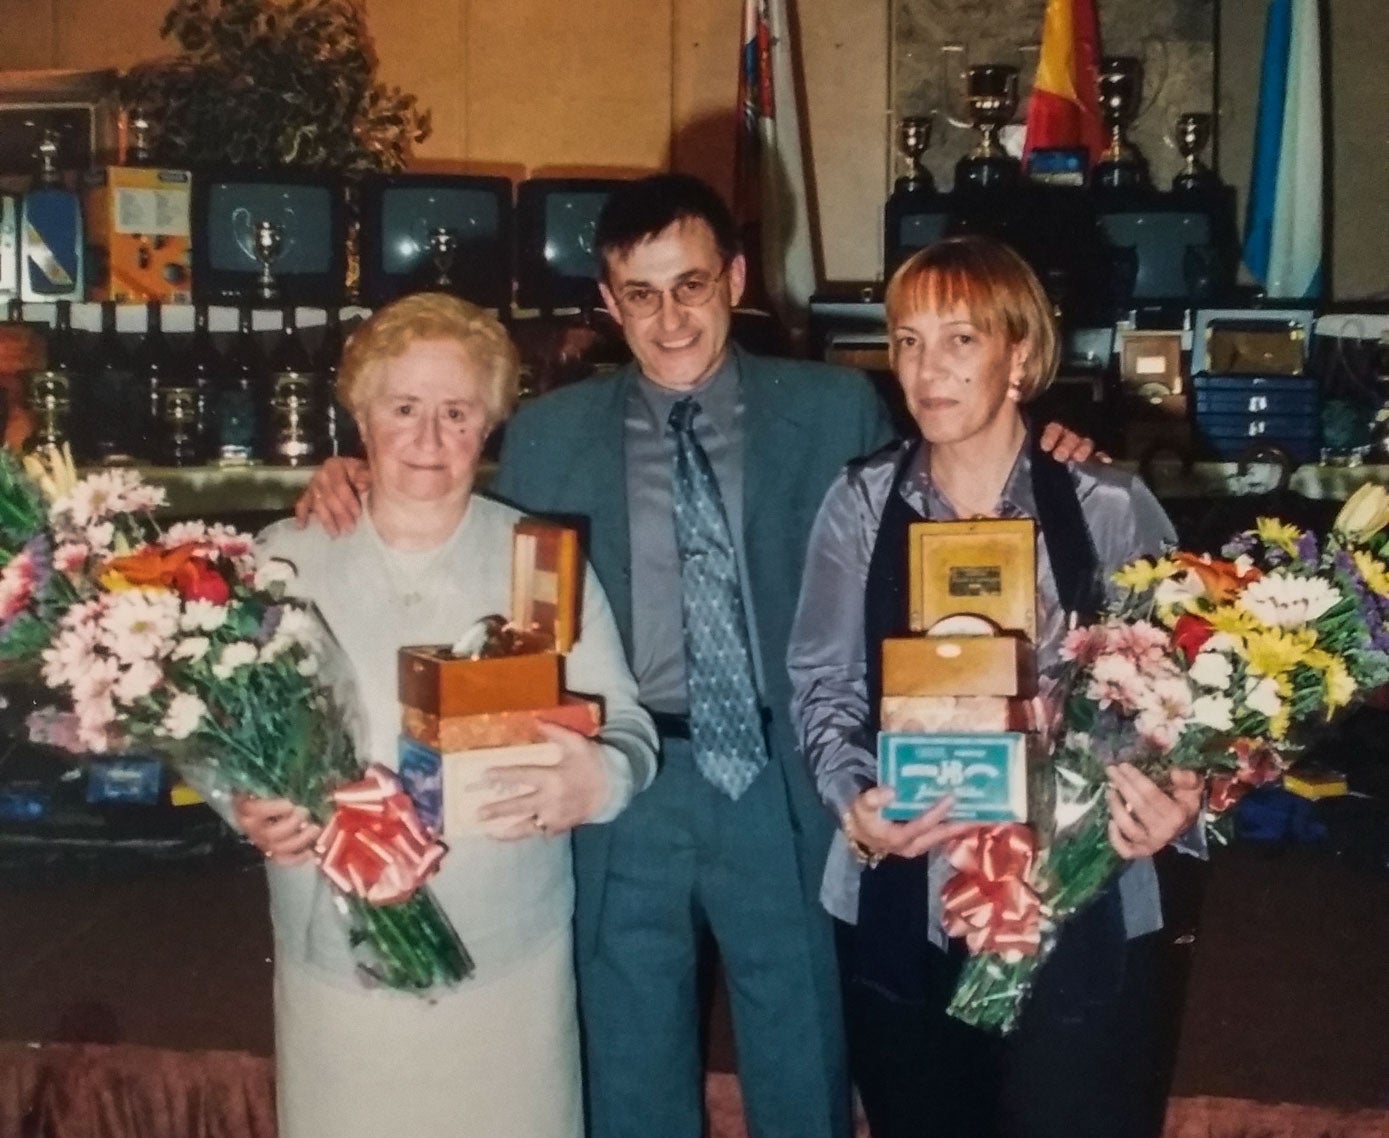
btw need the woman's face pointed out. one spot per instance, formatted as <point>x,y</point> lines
<point>955,376</point>
<point>425,423</point>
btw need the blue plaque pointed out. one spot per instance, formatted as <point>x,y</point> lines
<point>987,774</point>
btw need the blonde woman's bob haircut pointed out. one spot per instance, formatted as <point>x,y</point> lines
<point>431,316</point>
<point>991,283</point>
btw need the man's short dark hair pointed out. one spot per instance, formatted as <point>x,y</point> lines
<point>649,206</point>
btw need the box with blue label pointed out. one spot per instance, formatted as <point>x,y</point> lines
<point>449,788</point>
<point>128,781</point>
<point>987,773</point>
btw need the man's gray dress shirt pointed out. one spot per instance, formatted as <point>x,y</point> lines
<point>658,632</point>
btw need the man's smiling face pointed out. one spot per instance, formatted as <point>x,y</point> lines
<point>678,346</point>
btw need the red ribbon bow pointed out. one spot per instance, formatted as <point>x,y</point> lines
<point>374,845</point>
<point>988,900</point>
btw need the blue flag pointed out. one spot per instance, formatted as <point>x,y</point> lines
<point>1284,232</point>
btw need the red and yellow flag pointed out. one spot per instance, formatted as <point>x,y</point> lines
<point>1065,106</point>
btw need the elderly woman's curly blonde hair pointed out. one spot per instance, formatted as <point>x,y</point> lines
<point>431,316</point>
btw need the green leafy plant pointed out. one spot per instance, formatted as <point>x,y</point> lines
<point>273,83</point>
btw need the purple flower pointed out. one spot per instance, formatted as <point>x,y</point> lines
<point>1238,546</point>
<point>1307,547</point>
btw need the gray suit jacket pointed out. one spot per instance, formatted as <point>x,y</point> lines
<point>564,455</point>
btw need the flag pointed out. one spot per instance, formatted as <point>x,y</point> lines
<point>1064,109</point>
<point>1284,235</point>
<point>770,193</point>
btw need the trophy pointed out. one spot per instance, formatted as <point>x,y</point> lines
<point>50,402</point>
<point>991,96</point>
<point>140,151</point>
<point>913,140</point>
<point>178,412</point>
<point>442,245</point>
<point>264,241</point>
<point>1121,166</point>
<point>1193,132</point>
<point>292,441</point>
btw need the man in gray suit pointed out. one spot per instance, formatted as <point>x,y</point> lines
<point>697,471</point>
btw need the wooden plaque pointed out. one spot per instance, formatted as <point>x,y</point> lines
<point>986,567</point>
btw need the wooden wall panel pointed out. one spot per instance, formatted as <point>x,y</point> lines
<point>88,33</point>
<point>707,38</point>
<point>26,42</point>
<point>421,45</point>
<point>569,85</point>
<point>844,48</point>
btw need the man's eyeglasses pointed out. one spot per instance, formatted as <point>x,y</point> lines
<point>641,301</point>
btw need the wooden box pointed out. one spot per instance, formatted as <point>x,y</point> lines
<point>545,570</point>
<point>1003,665</point>
<point>1150,364</point>
<point>985,567</point>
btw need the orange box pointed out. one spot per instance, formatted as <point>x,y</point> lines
<point>545,574</point>
<point>138,234</point>
<point>1003,665</point>
<point>500,728</point>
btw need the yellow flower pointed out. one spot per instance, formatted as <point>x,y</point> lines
<point>114,582</point>
<point>1365,513</point>
<point>1236,621</point>
<point>1340,684</point>
<point>1373,570</point>
<point>1143,575</point>
<point>53,470</point>
<point>1278,724</point>
<point>1271,531</point>
<point>1275,652</point>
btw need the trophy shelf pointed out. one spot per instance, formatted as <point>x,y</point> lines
<point>178,318</point>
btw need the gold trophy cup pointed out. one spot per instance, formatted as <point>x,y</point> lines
<point>991,96</point>
<point>1192,133</point>
<point>1121,166</point>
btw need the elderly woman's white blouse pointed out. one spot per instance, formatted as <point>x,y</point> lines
<point>504,898</point>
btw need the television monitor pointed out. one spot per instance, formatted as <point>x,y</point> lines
<point>556,261</point>
<point>1172,258</point>
<point>911,222</point>
<point>308,268</point>
<point>437,231</point>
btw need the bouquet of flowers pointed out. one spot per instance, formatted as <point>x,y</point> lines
<point>176,644</point>
<point>1220,666</point>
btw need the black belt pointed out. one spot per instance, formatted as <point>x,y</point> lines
<point>669,725</point>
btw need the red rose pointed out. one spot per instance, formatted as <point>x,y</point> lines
<point>1190,633</point>
<point>196,580</point>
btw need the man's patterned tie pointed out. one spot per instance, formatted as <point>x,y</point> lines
<point>725,716</point>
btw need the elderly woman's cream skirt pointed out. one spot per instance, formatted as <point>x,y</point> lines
<point>496,1060</point>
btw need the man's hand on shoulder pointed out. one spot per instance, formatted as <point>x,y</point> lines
<point>1065,445</point>
<point>333,496</point>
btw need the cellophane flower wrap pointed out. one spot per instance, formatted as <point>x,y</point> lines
<point>176,644</point>
<point>1222,666</point>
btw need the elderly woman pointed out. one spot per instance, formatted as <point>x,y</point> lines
<point>427,379</point>
<point>972,340</point>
